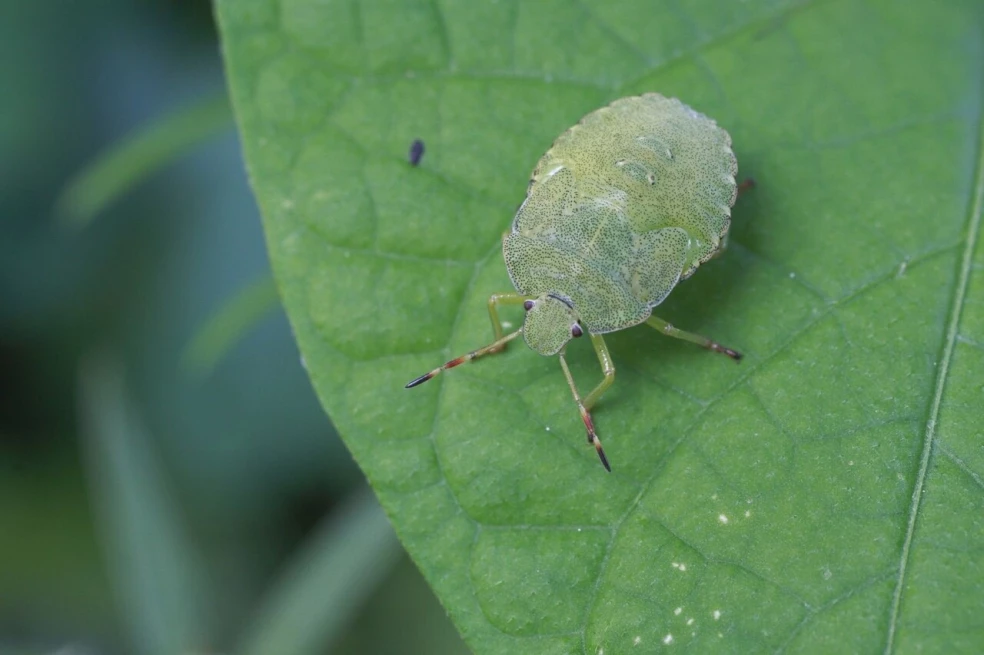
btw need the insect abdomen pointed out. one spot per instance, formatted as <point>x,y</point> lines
<point>639,192</point>
<point>658,161</point>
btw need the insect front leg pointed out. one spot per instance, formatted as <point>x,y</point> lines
<point>495,300</point>
<point>607,368</point>
<point>677,333</point>
<point>585,416</point>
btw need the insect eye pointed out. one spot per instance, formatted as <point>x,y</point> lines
<point>576,330</point>
<point>528,305</point>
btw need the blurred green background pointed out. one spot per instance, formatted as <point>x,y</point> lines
<point>148,505</point>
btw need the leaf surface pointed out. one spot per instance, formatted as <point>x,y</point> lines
<point>823,495</point>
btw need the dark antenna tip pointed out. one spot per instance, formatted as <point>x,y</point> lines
<point>423,378</point>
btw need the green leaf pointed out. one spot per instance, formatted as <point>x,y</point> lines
<point>825,494</point>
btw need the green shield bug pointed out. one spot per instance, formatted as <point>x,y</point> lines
<point>623,206</point>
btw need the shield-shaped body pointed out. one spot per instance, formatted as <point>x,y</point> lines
<point>623,206</point>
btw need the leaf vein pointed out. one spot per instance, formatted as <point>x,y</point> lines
<point>750,371</point>
<point>960,464</point>
<point>929,440</point>
<point>815,612</point>
<point>721,37</point>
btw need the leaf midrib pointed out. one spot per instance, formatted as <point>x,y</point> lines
<point>974,214</point>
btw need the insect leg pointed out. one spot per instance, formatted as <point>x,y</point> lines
<point>585,416</point>
<point>677,333</point>
<point>607,367</point>
<point>493,347</point>
<point>497,299</point>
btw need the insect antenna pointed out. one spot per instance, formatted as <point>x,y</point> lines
<point>493,347</point>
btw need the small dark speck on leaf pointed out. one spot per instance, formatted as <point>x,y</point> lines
<point>416,152</point>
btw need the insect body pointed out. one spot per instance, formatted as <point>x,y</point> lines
<point>623,206</point>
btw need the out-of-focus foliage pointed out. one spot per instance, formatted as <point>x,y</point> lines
<point>127,163</point>
<point>206,483</point>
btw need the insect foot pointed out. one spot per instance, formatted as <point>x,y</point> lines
<point>593,437</point>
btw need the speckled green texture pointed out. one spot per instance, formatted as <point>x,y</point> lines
<point>823,496</point>
<point>622,206</point>
<point>611,184</point>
